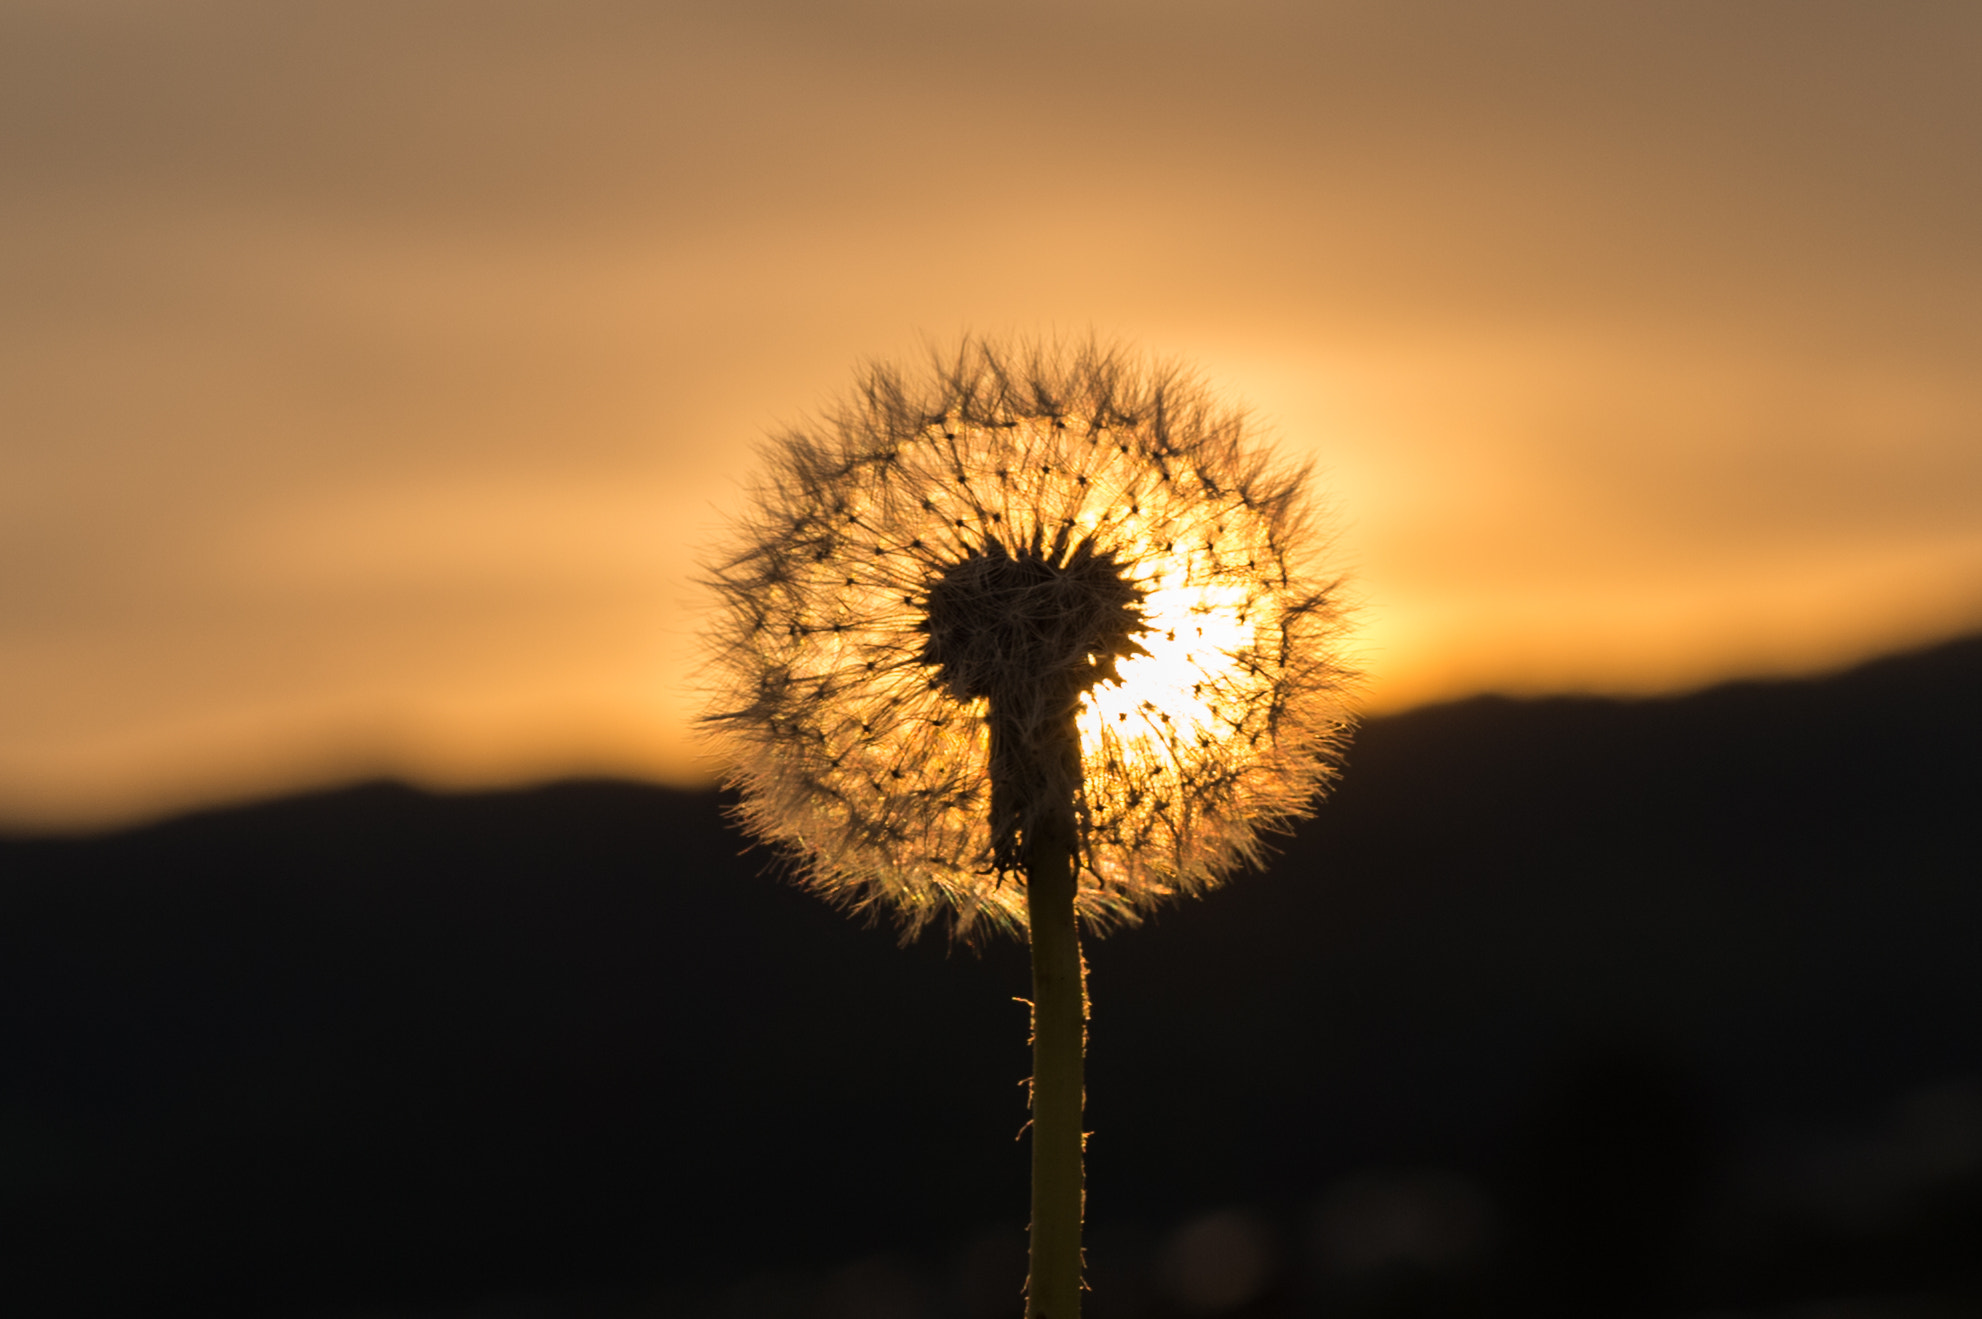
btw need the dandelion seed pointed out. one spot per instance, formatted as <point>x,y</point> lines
<point>1255,719</point>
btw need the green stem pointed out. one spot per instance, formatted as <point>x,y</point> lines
<point>1059,1037</point>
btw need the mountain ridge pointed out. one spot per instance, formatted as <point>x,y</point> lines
<point>382,1045</point>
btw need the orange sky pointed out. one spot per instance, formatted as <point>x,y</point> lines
<point>373,373</point>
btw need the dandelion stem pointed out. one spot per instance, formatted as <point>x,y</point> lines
<point>1059,1039</point>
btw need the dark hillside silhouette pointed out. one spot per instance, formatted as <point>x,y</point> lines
<point>1571,1006</point>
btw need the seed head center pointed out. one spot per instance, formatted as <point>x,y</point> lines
<point>1042,619</point>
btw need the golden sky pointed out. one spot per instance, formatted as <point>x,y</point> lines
<point>372,374</point>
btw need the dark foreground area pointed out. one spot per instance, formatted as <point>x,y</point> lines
<point>1559,1008</point>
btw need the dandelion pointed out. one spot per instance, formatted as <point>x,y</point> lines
<point>1027,642</point>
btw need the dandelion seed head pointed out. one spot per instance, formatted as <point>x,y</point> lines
<point>949,567</point>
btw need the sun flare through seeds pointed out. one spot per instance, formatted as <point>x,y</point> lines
<point>937,578</point>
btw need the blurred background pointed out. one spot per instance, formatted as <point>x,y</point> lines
<point>373,377</point>
<point>376,374</point>
<point>1568,1007</point>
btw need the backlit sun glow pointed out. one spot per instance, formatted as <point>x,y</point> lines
<point>1219,713</point>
